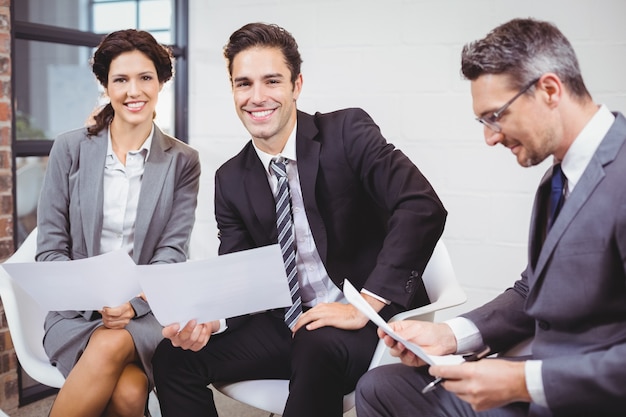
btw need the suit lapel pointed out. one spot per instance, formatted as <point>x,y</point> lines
<point>308,154</point>
<point>91,173</point>
<point>588,182</point>
<point>260,196</point>
<point>258,192</point>
<point>155,173</point>
<point>593,175</point>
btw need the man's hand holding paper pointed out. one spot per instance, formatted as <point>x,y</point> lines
<point>194,336</point>
<point>433,338</point>
<point>403,344</point>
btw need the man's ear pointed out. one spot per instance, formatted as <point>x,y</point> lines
<point>297,87</point>
<point>552,88</point>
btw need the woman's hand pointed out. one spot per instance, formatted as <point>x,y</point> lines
<point>117,317</point>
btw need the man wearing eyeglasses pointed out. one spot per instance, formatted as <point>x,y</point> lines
<point>570,301</point>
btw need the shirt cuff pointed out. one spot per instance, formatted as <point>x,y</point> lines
<point>534,382</point>
<point>379,298</point>
<point>468,338</point>
<point>222,328</point>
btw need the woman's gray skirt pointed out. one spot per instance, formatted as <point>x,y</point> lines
<point>67,334</point>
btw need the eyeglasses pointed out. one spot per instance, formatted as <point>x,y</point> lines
<point>491,120</point>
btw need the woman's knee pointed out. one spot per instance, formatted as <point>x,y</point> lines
<point>111,346</point>
<point>131,393</point>
<point>114,341</point>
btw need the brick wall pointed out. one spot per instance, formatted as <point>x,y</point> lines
<point>8,362</point>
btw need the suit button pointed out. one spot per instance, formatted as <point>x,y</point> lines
<point>543,325</point>
<point>410,286</point>
<point>414,274</point>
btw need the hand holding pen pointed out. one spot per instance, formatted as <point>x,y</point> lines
<point>476,356</point>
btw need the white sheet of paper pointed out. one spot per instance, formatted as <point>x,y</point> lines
<point>210,289</point>
<point>353,296</point>
<point>83,284</point>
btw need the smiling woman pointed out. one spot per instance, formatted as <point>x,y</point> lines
<point>53,89</point>
<point>132,68</point>
<point>130,177</point>
<point>133,88</point>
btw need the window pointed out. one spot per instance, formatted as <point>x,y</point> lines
<point>53,83</point>
<point>54,89</point>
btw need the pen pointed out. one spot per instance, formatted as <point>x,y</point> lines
<point>476,356</point>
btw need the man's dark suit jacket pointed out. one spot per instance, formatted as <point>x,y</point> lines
<point>374,217</point>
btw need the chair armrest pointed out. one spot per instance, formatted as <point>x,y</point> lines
<point>25,325</point>
<point>451,297</point>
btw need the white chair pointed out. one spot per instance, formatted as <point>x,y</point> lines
<point>443,290</point>
<point>25,319</point>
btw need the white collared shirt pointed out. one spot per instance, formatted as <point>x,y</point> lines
<point>121,186</point>
<point>573,165</point>
<point>315,285</point>
<point>584,147</point>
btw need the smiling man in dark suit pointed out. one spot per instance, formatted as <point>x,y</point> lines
<point>528,92</point>
<point>361,211</point>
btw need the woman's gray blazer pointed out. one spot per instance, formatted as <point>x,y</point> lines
<point>69,221</point>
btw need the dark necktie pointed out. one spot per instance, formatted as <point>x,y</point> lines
<point>286,240</point>
<point>557,194</point>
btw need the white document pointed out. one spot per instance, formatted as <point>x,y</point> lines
<point>83,284</point>
<point>225,286</point>
<point>353,296</point>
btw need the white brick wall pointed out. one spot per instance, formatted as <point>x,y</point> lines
<point>399,60</point>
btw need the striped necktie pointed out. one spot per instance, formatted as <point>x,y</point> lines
<point>286,239</point>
